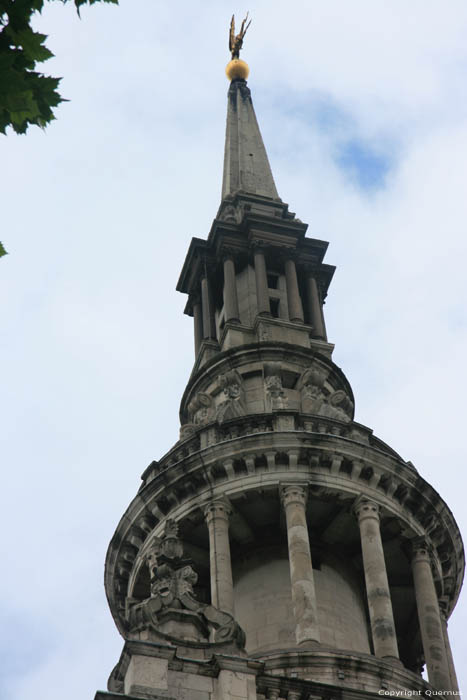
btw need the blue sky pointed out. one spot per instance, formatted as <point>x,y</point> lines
<point>363,110</point>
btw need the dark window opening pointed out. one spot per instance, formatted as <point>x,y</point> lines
<point>274,307</point>
<point>273,280</point>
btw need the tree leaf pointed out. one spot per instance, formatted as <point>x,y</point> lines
<point>26,96</point>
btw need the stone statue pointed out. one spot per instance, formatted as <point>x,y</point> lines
<point>236,42</point>
<point>172,612</point>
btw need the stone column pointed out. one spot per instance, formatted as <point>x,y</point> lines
<point>444,627</point>
<point>209,326</point>
<point>315,309</point>
<point>217,515</point>
<point>377,588</point>
<point>230,291</point>
<point>429,617</point>
<point>301,569</point>
<point>262,292</point>
<point>294,302</point>
<point>198,324</point>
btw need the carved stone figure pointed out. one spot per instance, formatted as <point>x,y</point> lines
<point>201,409</point>
<point>231,212</point>
<point>275,393</point>
<point>311,390</point>
<point>315,399</point>
<point>187,430</point>
<point>338,406</point>
<point>232,406</point>
<point>172,612</point>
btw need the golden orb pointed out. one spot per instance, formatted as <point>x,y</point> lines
<point>237,69</point>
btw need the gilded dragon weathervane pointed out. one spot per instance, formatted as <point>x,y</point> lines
<point>236,42</point>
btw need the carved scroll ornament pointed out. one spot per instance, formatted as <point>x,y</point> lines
<point>172,611</point>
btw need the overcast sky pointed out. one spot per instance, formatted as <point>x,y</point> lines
<point>363,109</point>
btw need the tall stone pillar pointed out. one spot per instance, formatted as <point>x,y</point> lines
<point>294,302</point>
<point>444,627</point>
<point>377,587</point>
<point>429,617</point>
<point>209,325</point>
<point>315,310</point>
<point>301,569</point>
<point>217,515</point>
<point>198,324</point>
<point>262,291</point>
<point>230,291</point>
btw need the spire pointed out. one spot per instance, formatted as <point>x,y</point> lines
<point>246,165</point>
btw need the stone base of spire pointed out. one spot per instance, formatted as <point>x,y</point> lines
<point>155,671</point>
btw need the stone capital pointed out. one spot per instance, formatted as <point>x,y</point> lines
<point>365,507</point>
<point>258,246</point>
<point>218,509</point>
<point>291,254</point>
<point>421,550</point>
<point>208,267</point>
<point>228,253</point>
<point>309,269</point>
<point>293,493</point>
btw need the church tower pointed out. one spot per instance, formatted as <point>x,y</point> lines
<point>279,550</point>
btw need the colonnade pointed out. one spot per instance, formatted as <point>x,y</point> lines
<point>433,627</point>
<point>204,305</point>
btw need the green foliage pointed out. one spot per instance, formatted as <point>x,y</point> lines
<point>2,251</point>
<point>26,95</point>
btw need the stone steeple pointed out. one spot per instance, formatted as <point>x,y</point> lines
<point>256,276</point>
<point>279,549</point>
<point>246,164</point>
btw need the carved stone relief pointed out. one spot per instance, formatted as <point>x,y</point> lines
<point>231,212</point>
<point>312,395</point>
<point>201,409</point>
<point>232,406</point>
<point>172,611</point>
<point>316,399</point>
<point>276,397</point>
<point>187,430</point>
<point>338,405</point>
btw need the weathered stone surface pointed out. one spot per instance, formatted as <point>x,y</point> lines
<point>217,514</point>
<point>430,619</point>
<point>376,580</point>
<point>172,611</point>
<point>301,570</point>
